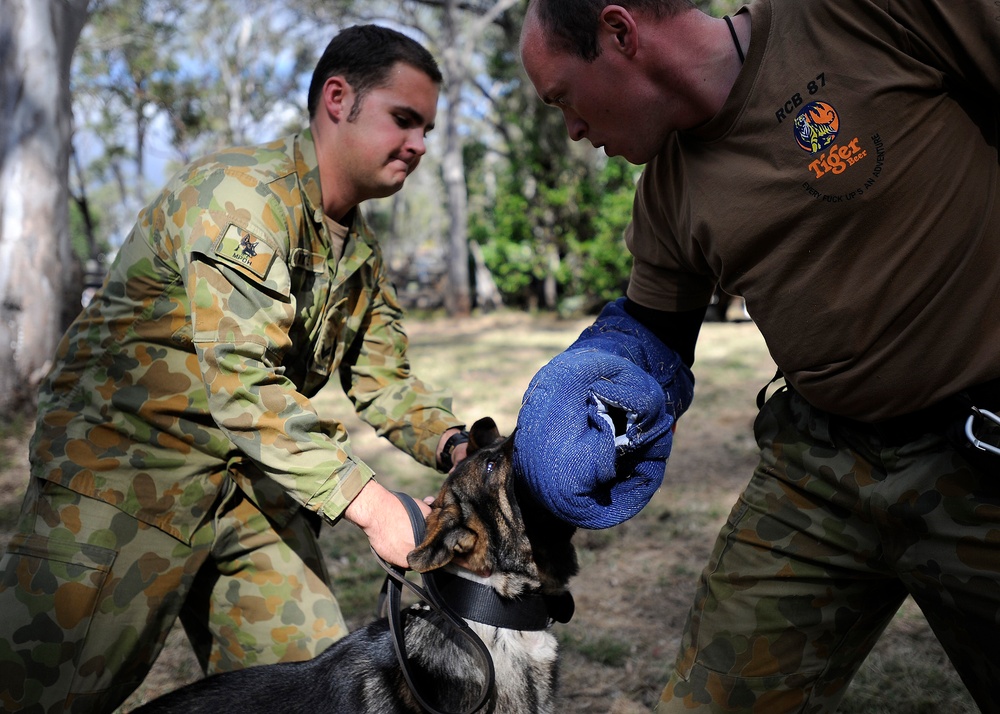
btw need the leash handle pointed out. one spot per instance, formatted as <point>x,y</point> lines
<point>391,598</point>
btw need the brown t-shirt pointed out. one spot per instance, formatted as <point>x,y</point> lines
<point>848,189</point>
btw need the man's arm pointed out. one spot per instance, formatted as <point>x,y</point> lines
<point>384,520</point>
<point>379,513</point>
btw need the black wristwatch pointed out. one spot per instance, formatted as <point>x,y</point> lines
<point>459,437</point>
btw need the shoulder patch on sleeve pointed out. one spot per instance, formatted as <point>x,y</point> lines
<point>239,246</point>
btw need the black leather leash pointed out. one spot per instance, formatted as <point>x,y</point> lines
<point>392,597</point>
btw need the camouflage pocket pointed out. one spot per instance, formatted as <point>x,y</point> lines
<point>59,578</point>
<point>49,589</point>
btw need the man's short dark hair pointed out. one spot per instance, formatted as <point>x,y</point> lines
<point>572,24</point>
<point>364,55</point>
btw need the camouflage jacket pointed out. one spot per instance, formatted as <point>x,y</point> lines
<point>221,316</point>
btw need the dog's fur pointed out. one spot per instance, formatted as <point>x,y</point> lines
<point>482,515</point>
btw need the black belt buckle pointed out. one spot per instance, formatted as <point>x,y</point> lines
<point>970,433</point>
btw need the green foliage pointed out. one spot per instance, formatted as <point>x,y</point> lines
<point>548,213</point>
<point>568,231</point>
<point>599,262</point>
<point>507,247</point>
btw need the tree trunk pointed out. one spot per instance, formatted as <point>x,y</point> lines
<point>488,295</point>
<point>550,287</point>
<point>458,300</point>
<point>40,278</point>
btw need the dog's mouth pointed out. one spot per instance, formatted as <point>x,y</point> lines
<point>460,565</point>
<point>463,570</point>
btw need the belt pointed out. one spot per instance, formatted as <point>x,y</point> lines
<point>947,416</point>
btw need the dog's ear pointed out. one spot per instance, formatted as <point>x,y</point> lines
<point>483,433</point>
<point>446,538</point>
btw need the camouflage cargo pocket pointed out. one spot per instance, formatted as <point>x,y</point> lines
<point>49,588</point>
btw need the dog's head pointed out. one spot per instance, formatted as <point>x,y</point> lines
<point>487,521</point>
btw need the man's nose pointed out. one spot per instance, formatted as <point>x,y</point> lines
<point>418,143</point>
<point>575,126</point>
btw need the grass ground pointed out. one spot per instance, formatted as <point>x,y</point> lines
<point>637,579</point>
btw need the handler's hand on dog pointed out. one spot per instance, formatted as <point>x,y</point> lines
<point>384,519</point>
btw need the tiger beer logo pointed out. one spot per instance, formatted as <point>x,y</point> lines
<point>816,126</point>
<point>237,245</point>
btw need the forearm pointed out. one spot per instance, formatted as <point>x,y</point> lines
<point>384,520</point>
<point>677,330</point>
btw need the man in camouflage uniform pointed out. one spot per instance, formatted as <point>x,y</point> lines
<point>178,466</point>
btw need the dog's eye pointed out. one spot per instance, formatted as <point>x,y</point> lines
<point>490,465</point>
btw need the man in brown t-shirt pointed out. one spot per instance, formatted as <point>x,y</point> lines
<point>835,164</point>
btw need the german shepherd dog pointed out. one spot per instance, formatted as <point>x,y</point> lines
<point>484,516</point>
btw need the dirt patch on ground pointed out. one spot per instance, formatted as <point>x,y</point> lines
<point>636,580</point>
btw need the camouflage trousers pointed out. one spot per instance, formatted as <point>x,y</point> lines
<point>836,527</point>
<point>88,595</point>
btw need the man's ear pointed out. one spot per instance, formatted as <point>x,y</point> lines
<point>338,97</point>
<point>617,25</point>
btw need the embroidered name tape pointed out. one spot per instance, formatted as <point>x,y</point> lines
<point>242,248</point>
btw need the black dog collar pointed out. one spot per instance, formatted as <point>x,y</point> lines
<point>481,603</point>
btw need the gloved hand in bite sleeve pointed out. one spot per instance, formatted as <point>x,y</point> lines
<point>596,423</point>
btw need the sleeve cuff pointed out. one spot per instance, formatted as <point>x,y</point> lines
<point>336,493</point>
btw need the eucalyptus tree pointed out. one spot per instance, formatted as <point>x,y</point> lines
<point>160,82</point>
<point>37,270</point>
<point>126,55</point>
<point>459,37</point>
<point>250,62</point>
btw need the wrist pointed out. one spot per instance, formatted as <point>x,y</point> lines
<point>365,505</point>
<point>446,455</point>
